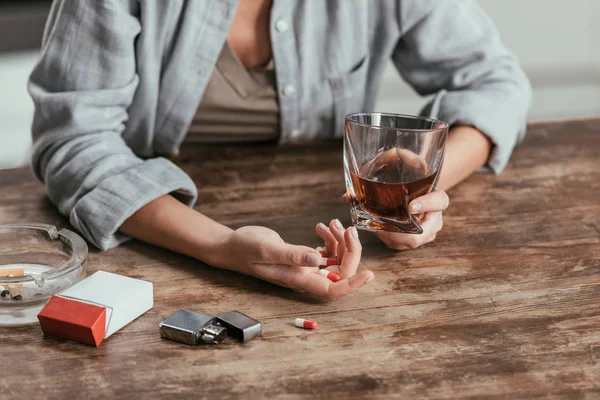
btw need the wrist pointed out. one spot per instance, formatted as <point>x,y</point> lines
<point>218,253</point>
<point>207,240</point>
<point>467,149</point>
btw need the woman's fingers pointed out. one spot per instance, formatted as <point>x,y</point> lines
<point>279,252</point>
<point>330,242</point>
<point>289,254</point>
<point>390,157</point>
<point>337,229</point>
<point>434,201</point>
<point>352,255</point>
<point>287,273</point>
<point>414,160</point>
<point>346,198</point>
<point>432,224</point>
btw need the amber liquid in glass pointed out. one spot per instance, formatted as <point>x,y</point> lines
<point>377,196</point>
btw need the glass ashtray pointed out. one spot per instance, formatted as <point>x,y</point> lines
<point>36,261</point>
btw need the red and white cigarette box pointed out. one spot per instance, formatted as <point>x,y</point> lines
<point>95,308</point>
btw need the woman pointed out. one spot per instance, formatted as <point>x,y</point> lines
<point>122,82</point>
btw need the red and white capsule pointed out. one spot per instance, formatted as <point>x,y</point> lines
<point>328,261</point>
<point>305,323</point>
<point>322,251</point>
<point>332,276</point>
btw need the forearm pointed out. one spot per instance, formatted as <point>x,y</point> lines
<point>166,222</point>
<point>467,150</point>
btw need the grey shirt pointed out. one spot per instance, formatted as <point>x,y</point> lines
<point>119,81</point>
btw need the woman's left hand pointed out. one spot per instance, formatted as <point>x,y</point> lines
<point>431,207</point>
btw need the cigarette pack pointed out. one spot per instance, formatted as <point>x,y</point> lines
<point>96,307</point>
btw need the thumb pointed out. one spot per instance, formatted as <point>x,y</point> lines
<point>434,201</point>
<point>289,254</point>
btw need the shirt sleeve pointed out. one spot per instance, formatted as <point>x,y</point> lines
<point>452,50</point>
<point>82,87</point>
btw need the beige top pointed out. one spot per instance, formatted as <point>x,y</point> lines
<point>238,105</point>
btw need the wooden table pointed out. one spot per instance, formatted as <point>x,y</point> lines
<point>506,302</point>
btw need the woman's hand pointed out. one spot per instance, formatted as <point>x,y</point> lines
<point>250,250</point>
<point>430,206</point>
<point>260,252</point>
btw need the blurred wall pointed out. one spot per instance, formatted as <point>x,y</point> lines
<point>16,108</point>
<point>558,45</point>
<point>557,41</point>
<point>21,28</point>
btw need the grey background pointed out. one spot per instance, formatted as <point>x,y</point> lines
<point>555,40</point>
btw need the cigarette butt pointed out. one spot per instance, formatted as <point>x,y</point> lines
<point>16,284</point>
<point>15,293</point>
<point>10,272</point>
<point>13,290</point>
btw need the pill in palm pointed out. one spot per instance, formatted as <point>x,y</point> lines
<point>322,251</point>
<point>328,261</point>
<point>332,276</point>
<point>305,323</point>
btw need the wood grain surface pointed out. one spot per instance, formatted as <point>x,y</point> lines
<point>505,303</point>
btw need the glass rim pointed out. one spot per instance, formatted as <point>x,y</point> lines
<point>79,251</point>
<point>444,127</point>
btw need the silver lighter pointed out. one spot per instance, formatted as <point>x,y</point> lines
<point>240,326</point>
<point>192,328</point>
